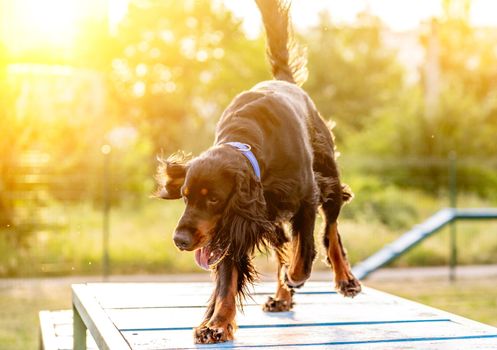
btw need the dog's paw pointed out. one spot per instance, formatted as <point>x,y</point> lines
<point>349,288</point>
<point>212,334</point>
<point>277,305</point>
<point>289,283</point>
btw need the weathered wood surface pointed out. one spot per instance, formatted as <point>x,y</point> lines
<point>162,315</point>
<point>56,331</point>
<point>101,326</point>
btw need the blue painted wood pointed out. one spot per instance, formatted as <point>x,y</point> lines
<point>325,309</point>
<point>476,214</point>
<point>324,338</point>
<point>180,294</point>
<point>416,235</point>
<point>407,241</point>
<point>289,325</point>
<point>320,319</point>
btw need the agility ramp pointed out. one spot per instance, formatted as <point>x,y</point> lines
<point>417,234</point>
<point>154,316</point>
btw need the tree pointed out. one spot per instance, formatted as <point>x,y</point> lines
<point>179,64</point>
<point>467,107</point>
<point>353,75</point>
<point>7,142</point>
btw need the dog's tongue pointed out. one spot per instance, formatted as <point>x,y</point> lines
<point>202,258</point>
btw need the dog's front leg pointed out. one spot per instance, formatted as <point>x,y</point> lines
<point>219,324</point>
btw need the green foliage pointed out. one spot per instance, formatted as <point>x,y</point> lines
<point>7,143</point>
<point>163,81</point>
<point>179,64</point>
<point>353,76</point>
<point>377,201</point>
<point>465,121</point>
<point>411,147</point>
<point>141,238</point>
<point>44,156</point>
<point>140,241</point>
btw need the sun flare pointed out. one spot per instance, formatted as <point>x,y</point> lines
<point>53,20</point>
<point>48,25</point>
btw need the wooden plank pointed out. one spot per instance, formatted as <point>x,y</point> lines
<point>418,335</point>
<point>64,330</point>
<point>195,288</point>
<point>459,344</point>
<point>61,317</point>
<point>316,308</point>
<point>48,338</point>
<point>143,295</point>
<point>58,330</point>
<point>79,330</point>
<point>192,301</point>
<point>373,320</point>
<point>254,316</point>
<point>102,329</point>
<point>66,342</point>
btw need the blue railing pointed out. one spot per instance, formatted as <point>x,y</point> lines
<point>417,234</point>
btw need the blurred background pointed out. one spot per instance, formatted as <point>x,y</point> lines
<point>91,92</point>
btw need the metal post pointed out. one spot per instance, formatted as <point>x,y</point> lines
<point>106,149</point>
<point>453,204</point>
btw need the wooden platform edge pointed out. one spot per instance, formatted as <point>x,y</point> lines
<point>49,320</point>
<point>105,333</point>
<point>47,336</point>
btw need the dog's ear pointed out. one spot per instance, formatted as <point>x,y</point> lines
<point>171,174</point>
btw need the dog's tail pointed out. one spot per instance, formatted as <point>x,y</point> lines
<point>288,60</point>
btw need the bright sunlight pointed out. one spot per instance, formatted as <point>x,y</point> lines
<point>96,94</point>
<point>51,23</point>
<point>48,25</point>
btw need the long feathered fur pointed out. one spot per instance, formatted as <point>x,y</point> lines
<point>171,175</point>
<point>287,58</point>
<point>245,228</point>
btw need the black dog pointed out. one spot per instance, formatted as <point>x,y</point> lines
<point>273,162</point>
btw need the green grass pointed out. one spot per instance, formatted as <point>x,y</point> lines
<point>140,241</point>
<point>474,299</point>
<point>141,238</point>
<point>19,306</point>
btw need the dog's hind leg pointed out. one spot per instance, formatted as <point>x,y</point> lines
<point>332,196</point>
<point>345,282</point>
<point>282,300</point>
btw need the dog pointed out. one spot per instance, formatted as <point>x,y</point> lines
<point>272,166</point>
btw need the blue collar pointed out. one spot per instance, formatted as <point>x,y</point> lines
<point>246,151</point>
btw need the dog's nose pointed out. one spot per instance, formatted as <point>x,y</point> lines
<point>182,239</point>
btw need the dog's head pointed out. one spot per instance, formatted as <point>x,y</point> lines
<point>225,209</point>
